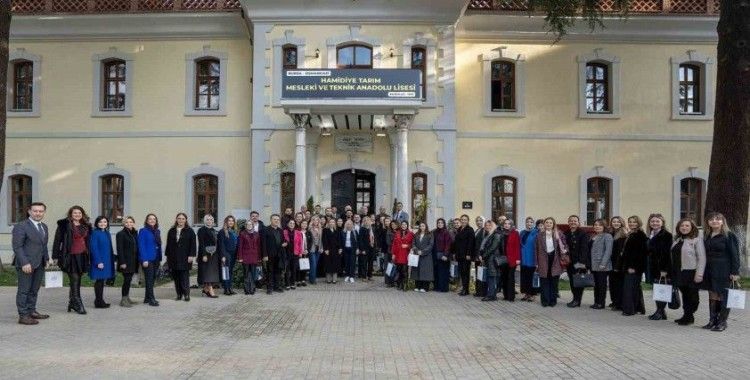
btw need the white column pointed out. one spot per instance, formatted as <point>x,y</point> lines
<point>300,179</point>
<point>394,170</point>
<point>402,143</point>
<point>312,163</point>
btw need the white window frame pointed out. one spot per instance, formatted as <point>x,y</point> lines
<point>205,168</point>
<point>430,45</point>
<point>353,37</point>
<point>21,54</point>
<point>191,60</point>
<point>691,172</point>
<point>276,69</point>
<point>707,85</point>
<point>519,82</point>
<point>613,64</point>
<point>98,61</point>
<point>506,171</point>
<point>96,189</point>
<point>598,171</point>
<point>5,226</point>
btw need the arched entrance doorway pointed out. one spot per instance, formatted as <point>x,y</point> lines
<point>355,188</point>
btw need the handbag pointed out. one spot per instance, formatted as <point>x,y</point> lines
<point>735,297</point>
<point>583,280</point>
<point>500,260</point>
<point>454,269</point>
<point>481,274</point>
<point>53,279</point>
<point>413,260</point>
<point>224,272</point>
<point>675,303</point>
<point>390,269</point>
<point>304,263</point>
<point>535,282</point>
<point>662,292</point>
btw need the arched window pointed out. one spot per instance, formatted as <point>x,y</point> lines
<point>690,89</point>
<point>112,197</point>
<point>289,57</point>
<point>114,83</point>
<point>418,196</point>
<point>286,191</point>
<point>598,199</point>
<point>354,56</point>
<point>504,197</point>
<point>502,89</point>
<point>691,199</point>
<point>597,87</point>
<point>23,85</point>
<point>419,62</point>
<point>205,197</point>
<point>20,197</point>
<point>207,84</point>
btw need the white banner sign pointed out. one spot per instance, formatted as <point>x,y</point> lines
<point>353,142</point>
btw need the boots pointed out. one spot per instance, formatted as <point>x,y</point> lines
<point>714,314</point>
<point>721,322</point>
<point>75,303</point>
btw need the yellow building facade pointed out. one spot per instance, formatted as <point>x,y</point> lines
<point>508,122</point>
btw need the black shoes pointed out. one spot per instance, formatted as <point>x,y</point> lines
<point>100,304</point>
<point>487,299</point>
<point>597,307</point>
<point>721,323</point>
<point>574,303</point>
<point>178,298</point>
<point>659,315</point>
<point>187,298</point>
<point>686,320</point>
<point>152,303</point>
<point>76,305</point>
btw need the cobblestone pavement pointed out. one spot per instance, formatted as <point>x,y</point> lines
<point>360,331</point>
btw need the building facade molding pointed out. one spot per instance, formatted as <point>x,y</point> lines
<point>18,168</point>
<point>381,180</point>
<point>354,36</point>
<point>691,172</point>
<point>707,95</point>
<point>205,168</point>
<point>191,60</point>
<point>518,60</point>
<point>98,60</point>
<point>21,54</point>
<point>599,55</point>
<point>505,170</point>
<point>277,61</point>
<point>96,188</point>
<point>598,171</point>
<point>432,187</point>
<point>429,43</point>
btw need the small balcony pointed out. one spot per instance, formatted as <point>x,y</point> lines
<point>644,7</point>
<point>44,7</point>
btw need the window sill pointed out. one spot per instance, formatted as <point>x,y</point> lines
<point>701,117</point>
<point>194,112</point>
<point>16,113</point>
<point>508,114</point>
<point>599,115</point>
<point>100,113</point>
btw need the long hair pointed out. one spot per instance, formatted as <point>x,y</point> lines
<point>130,218</point>
<point>620,232</point>
<point>638,222</point>
<point>724,225</point>
<point>226,228</point>
<point>99,219</point>
<point>84,217</point>
<point>187,224</point>
<point>690,235</point>
<point>658,216</point>
<point>145,222</point>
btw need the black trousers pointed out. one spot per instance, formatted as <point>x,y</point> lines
<point>632,294</point>
<point>99,290</point>
<point>615,288</point>
<point>600,288</point>
<point>127,279</point>
<point>508,282</point>
<point>370,260</point>
<point>28,289</point>
<point>250,277</point>
<point>362,264</point>
<point>464,271</point>
<point>527,280</point>
<point>149,275</point>
<point>480,287</point>
<point>690,299</point>
<point>273,273</point>
<point>181,280</point>
<point>401,282</point>
<point>577,292</point>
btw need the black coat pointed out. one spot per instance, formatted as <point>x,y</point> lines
<point>659,256</point>
<point>363,240</point>
<point>127,250</point>
<point>271,242</point>
<point>617,246</point>
<point>178,251</point>
<point>722,260</point>
<point>635,252</point>
<point>463,243</point>
<point>354,240</point>
<point>64,241</point>
<point>578,248</point>
<point>330,240</point>
<point>478,237</point>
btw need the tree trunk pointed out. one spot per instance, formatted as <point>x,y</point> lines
<point>4,41</point>
<point>729,173</point>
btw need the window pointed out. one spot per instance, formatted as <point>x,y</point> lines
<point>690,89</point>
<point>354,57</point>
<point>205,197</point>
<point>503,78</point>
<point>114,82</point>
<point>419,62</point>
<point>418,195</point>
<point>504,197</point>
<point>691,199</point>
<point>289,55</point>
<point>23,85</point>
<point>207,84</point>
<point>598,199</point>
<point>286,187</point>
<point>112,197</point>
<point>20,197</point>
<point>597,87</point>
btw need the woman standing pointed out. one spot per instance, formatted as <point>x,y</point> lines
<point>149,255</point>
<point>423,274</point>
<point>490,249</point>
<point>513,251</point>
<point>349,246</point>
<point>249,255</point>
<point>71,251</point>
<point>301,250</point>
<point>619,231</point>
<point>331,252</point>
<point>659,246</point>
<point>549,253</point>
<point>315,235</point>
<point>100,244</point>
<point>209,258</point>
<point>722,268</point>
<point>228,248</point>
<point>290,272</point>
<point>402,242</point>
<point>688,264</point>
<point>390,234</point>
<point>634,263</point>
<point>127,257</point>
<point>443,241</point>
<point>180,253</point>
<point>601,262</point>
<point>528,258</point>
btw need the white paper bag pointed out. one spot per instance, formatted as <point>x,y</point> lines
<point>662,292</point>
<point>258,273</point>
<point>390,269</point>
<point>413,260</point>
<point>481,274</point>
<point>53,279</point>
<point>454,269</point>
<point>225,273</point>
<point>736,299</point>
<point>304,264</point>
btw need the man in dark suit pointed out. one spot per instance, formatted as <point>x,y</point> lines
<point>272,253</point>
<point>30,257</point>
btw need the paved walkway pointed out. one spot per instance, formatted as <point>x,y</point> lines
<point>360,331</point>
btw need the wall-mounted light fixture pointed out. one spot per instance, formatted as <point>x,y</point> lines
<point>316,55</point>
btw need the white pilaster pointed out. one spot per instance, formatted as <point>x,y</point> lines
<point>402,143</point>
<point>312,164</point>
<point>300,192</point>
<point>394,169</point>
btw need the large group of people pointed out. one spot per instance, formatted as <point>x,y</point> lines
<point>296,249</point>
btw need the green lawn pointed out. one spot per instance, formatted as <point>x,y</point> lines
<point>8,278</point>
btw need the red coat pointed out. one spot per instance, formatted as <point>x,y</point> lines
<point>513,248</point>
<point>248,247</point>
<point>402,254</point>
